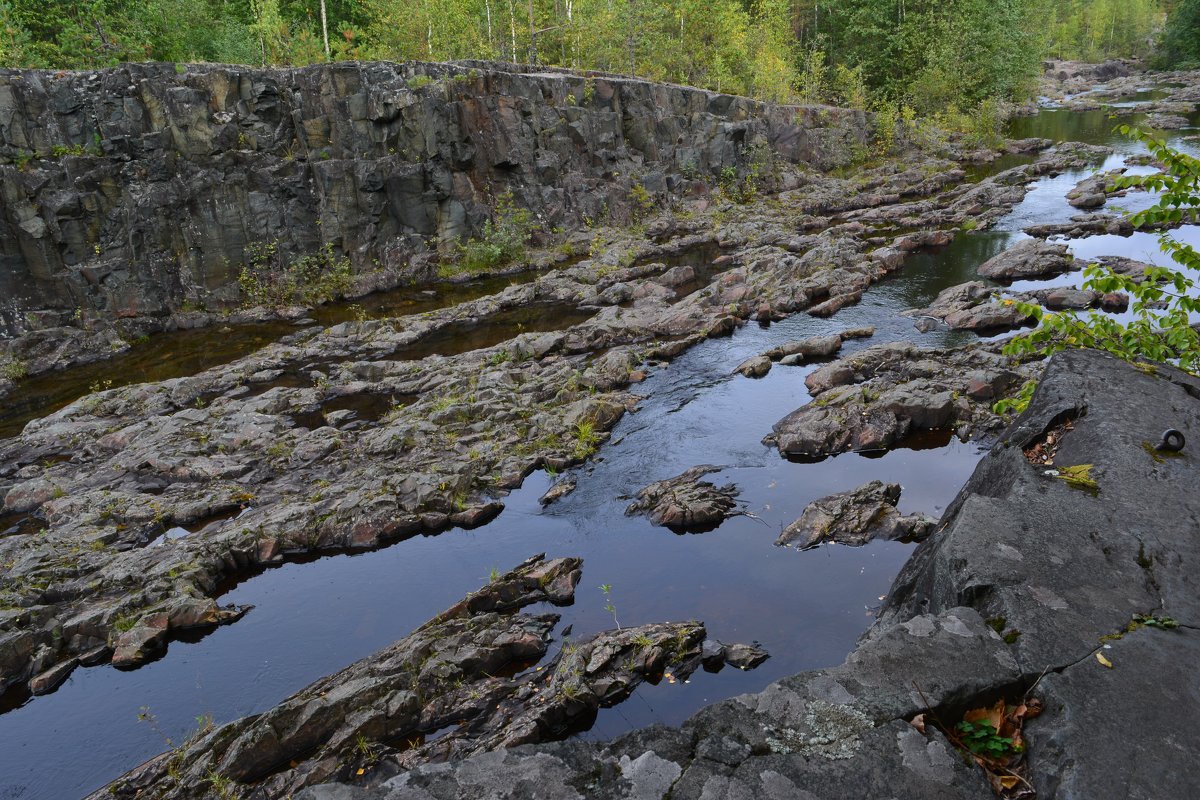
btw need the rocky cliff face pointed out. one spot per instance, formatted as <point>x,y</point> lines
<point>135,191</point>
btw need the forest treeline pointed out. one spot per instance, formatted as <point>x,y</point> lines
<point>929,55</point>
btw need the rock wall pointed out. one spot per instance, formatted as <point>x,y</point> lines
<point>135,191</point>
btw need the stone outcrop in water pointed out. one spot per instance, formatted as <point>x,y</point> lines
<point>466,669</point>
<point>1031,258</point>
<point>855,518</point>
<point>880,396</point>
<point>973,306</point>
<point>1083,225</point>
<point>1094,191</point>
<point>685,502</point>
<point>1030,579</point>
<point>138,191</point>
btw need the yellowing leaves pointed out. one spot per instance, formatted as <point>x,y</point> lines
<point>1104,662</point>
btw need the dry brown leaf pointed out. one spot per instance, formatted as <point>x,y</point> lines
<point>918,722</point>
<point>994,715</point>
<point>1009,781</point>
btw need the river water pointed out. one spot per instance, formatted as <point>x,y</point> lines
<point>806,608</point>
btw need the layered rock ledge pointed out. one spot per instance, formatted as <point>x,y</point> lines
<point>1064,572</point>
<point>138,191</point>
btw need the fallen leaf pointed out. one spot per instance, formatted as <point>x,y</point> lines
<point>918,722</point>
<point>993,715</point>
<point>1009,781</point>
<point>1104,661</point>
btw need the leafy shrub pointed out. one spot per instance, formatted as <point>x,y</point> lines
<point>1161,300</point>
<point>502,241</point>
<point>268,280</point>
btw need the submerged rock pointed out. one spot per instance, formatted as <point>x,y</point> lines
<point>855,518</point>
<point>685,502</point>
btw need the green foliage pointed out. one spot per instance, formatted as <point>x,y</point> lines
<point>983,740</point>
<point>1180,45</point>
<point>1162,300</point>
<point>1018,402</point>
<point>1095,30</point>
<point>502,242</point>
<point>13,369</point>
<point>930,55</point>
<point>608,603</point>
<point>586,439</point>
<point>269,279</point>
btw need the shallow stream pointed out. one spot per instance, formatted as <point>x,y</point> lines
<point>806,608</point>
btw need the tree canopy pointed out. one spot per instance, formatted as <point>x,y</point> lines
<point>927,53</point>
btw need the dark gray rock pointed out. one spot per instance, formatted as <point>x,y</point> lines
<point>854,518</point>
<point>1097,559</point>
<point>685,502</point>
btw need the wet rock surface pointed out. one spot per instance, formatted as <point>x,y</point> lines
<point>855,518</point>
<point>686,502</point>
<point>844,731</point>
<point>884,394</point>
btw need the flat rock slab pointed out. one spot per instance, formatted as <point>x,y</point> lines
<point>1031,258</point>
<point>855,518</point>
<point>686,503</point>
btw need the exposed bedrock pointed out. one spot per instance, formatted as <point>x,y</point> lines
<point>463,675</point>
<point>885,394</point>
<point>1063,571</point>
<point>135,190</point>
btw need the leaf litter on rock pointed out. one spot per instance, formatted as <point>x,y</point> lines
<point>992,737</point>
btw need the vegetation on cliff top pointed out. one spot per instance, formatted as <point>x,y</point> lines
<point>916,52</point>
